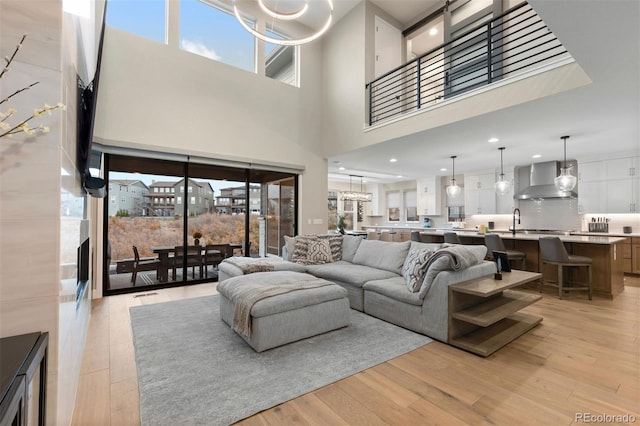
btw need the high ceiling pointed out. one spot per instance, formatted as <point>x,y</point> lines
<point>604,38</point>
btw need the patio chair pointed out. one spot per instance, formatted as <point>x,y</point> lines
<point>194,257</point>
<point>143,265</point>
<point>214,254</point>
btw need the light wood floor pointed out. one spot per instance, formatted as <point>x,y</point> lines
<point>583,358</point>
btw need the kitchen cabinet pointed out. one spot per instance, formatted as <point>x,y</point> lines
<point>627,256</point>
<point>609,186</point>
<point>373,208</point>
<point>480,194</point>
<point>635,255</point>
<point>429,196</point>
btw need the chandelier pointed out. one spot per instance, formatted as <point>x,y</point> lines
<point>282,16</point>
<point>352,195</point>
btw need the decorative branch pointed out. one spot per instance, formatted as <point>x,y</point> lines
<point>6,129</point>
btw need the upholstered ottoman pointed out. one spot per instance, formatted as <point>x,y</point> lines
<point>269,309</point>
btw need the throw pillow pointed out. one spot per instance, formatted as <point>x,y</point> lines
<point>335,242</point>
<point>414,268</point>
<point>319,252</point>
<point>301,248</point>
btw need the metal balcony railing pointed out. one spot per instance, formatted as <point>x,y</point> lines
<point>507,45</point>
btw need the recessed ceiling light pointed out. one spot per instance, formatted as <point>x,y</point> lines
<point>399,176</point>
<point>364,181</point>
<point>444,169</point>
<point>393,160</point>
<point>494,140</point>
<point>536,156</point>
<point>341,168</point>
<point>433,31</point>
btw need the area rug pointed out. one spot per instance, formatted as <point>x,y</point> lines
<point>194,370</point>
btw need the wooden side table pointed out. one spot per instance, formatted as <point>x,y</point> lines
<point>483,312</point>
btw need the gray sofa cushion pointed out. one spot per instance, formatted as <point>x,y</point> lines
<point>415,266</point>
<point>415,245</point>
<point>350,244</point>
<point>395,288</point>
<point>348,273</point>
<point>282,302</point>
<point>444,264</point>
<point>382,255</point>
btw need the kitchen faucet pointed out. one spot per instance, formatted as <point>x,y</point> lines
<point>513,229</point>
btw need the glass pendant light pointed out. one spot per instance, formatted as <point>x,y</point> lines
<point>453,190</point>
<point>566,181</point>
<point>502,186</point>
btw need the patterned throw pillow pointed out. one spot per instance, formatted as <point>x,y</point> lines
<point>302,247</point>
<point>414,268</point>
<point>319,252</point>
<point>335,242</point>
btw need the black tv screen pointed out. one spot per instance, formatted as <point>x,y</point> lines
<point>83,261</point>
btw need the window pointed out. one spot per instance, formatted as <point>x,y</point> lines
<point>125,15</point>
<point>193,199</point>
<point>216,34</point>
<point>280,61</point>
<point>393,206</point>
<point>178,200</point>
<point>411,206</point>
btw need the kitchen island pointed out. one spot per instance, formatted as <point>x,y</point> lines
<point>605,251</point>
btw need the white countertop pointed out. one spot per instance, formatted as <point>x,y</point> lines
<point>589,239</point>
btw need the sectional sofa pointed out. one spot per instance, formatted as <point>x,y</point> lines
<point>372,273</point>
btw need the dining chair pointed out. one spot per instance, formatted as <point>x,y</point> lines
<point>193,254</point>
<point>142,265</point>
<point>451,238</point>
<point>495,243</point>
<point>553,252</point>
<point>213,255</point>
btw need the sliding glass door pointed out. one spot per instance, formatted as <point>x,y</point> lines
<point>170,223</point>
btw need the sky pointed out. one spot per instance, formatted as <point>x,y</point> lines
<point>204,30</point>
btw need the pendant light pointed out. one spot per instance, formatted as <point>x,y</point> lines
<point>453,190</point>
<point>566,181</point>
<point>502,186</point>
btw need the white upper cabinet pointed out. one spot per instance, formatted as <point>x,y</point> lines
<point>609,186</point>
<point>479,193</point>
<point>429,195</point>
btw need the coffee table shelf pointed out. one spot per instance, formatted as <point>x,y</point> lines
<point>497,308</point>
<point>483,313</point>
<point>485,341</point>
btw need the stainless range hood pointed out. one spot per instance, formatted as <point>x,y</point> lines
<point>541,182</point>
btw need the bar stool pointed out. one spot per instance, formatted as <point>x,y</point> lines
<point>553,252</point>
<point>415,236</point>
<point>372,234</point>
<point>451,238</point>
<point>495,243</point>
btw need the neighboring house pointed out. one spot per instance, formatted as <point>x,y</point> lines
<point>232,200</point>
<point>162,198</point>
<point>200,198</point>
<point>130,196</point>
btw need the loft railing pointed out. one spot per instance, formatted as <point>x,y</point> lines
<point>507,45</point>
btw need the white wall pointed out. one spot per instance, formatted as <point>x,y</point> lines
<point>157,97</point>
<point>348,66</point>
<point>37,241</point>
